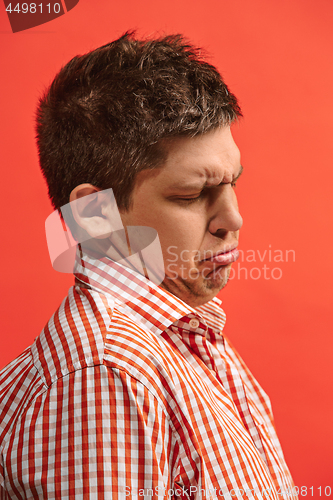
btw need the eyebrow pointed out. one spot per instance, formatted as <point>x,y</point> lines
<point>239,174</point>
<point>200,187</point>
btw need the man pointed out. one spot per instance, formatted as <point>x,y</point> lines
<point>132,389</point>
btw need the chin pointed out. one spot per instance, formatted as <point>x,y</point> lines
<point>218,279</point>
<point>199,291</point>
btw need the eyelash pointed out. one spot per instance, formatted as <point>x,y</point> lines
<point>233,184</point>
<point>188,200</point>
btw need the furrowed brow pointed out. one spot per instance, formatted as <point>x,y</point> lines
<point>205,185</point>
<point>235,179</point>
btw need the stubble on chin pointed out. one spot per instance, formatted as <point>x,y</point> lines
<point>217,280</point>
<point>197,291</point>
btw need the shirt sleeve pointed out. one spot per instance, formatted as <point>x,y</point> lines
<point>95,433</point>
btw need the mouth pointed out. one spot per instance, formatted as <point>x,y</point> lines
<point>224,257</point>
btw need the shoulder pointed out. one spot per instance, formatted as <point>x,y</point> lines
<point>87,334</point>
<point>20,385</point>
<point>89,330</point>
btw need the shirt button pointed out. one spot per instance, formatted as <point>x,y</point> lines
<point>194,323</point>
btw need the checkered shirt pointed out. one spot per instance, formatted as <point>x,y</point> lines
<point>128,392</point>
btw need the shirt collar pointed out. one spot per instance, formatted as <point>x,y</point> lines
<point>137,296</point>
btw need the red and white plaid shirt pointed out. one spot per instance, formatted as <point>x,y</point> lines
<point>130,393</point>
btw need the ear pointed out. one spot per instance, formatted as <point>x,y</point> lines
<point>94,210</point>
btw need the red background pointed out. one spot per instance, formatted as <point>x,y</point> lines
<point>276,56</point>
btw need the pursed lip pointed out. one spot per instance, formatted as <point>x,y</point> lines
<point>221,252</point>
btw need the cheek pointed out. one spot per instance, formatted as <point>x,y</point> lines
<point>180,244</point>
<point>179,230</point>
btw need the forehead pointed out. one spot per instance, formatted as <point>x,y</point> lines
<point>210,158</point>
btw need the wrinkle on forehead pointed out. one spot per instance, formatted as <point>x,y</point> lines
<point>214,176</point>
<point>208,160</point>
<point>201,164</point>
<point>206,176</point>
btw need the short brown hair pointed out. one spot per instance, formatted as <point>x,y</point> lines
<point>104,116</point>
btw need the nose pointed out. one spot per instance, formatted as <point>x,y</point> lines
<point>225,214</point>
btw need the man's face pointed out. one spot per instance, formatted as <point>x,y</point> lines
<point>191,203</point>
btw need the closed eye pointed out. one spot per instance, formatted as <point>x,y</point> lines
<point>207,188</point>
<point>189,200</point>
<point>233,185</point>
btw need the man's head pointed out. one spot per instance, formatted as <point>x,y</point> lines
<point>128,113</point>
<point>104,116</point>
